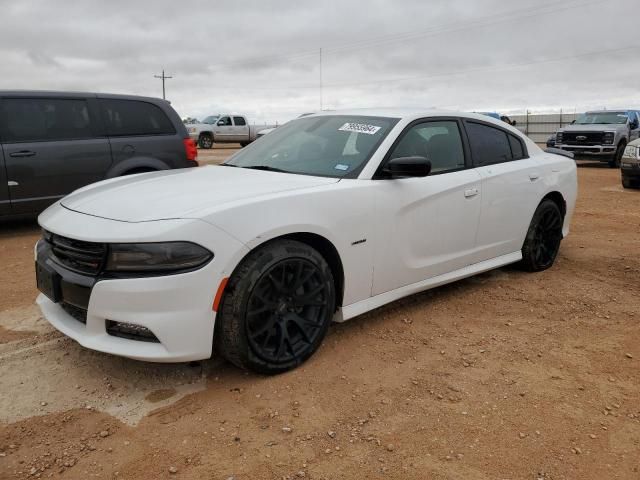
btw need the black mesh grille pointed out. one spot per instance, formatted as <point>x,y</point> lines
<point>80,314</point>
<point>84,257</point>
<point>582,138</point>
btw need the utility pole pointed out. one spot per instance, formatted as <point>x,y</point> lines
<point>320,79</point>
<point>163,77</point>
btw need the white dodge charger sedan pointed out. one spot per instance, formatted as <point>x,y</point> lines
<point>325,218</point>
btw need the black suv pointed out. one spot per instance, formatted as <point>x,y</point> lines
<point>52,143</point>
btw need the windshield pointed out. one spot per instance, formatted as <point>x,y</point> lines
<point>329,146</point>
<point>211,119</point>
<point>602,118</point>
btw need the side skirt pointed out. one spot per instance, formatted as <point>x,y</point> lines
<point>371,303</point>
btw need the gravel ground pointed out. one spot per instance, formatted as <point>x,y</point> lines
<point>506,375</point>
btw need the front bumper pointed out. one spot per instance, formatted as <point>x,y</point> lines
<point>591,150</point>
<point>177,309</point>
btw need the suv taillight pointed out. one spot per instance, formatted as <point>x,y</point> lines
<point>191,151</point>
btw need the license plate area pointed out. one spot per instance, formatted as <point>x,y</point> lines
<point>48,282</point>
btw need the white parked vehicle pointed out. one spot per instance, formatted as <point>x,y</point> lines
<point>325,218</point>
<point>225,128</point>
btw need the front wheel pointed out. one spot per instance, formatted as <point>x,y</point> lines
<point>617,158</point>
<point>276,308</point>
<point>543,238</point>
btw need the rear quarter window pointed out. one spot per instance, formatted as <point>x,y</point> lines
<point>133,117</point>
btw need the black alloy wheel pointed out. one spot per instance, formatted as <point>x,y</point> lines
<point>276,309</point>
<point>543,237</point>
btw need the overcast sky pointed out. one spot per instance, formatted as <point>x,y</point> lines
<point>261,57</point>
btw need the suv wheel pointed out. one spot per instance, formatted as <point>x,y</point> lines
<point>615,161</point>
<point>205,140</point>
<point>276,308</point>
<point>543,238</point>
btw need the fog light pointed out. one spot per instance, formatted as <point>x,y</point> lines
<point>130,331</point>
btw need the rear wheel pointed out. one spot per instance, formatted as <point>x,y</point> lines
<point>244,144</point>
<point>617,158</point>
<point>276,309</point>
<point>205,140</point>
<point>543,238</point>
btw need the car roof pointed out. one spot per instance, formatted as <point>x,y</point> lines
<point>72,94</point>
<point>409,114</point>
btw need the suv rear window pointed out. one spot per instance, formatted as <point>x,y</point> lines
<point>44,119</point>
<point>133,117</point>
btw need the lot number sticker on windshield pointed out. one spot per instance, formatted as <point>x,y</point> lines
<point>360,128</point>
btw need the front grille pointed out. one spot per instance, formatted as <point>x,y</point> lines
<point>582,138</point>
<point>77,255</point>
<point>80,314</point>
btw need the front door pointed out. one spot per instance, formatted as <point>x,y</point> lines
<point>50,150</point>
<point>5,203</point>
<point>427,225</point>
<point>224,129</point>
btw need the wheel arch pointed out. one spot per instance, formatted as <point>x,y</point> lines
<point>558,199</point>
<point>136,163</point>
<point>320,243</point>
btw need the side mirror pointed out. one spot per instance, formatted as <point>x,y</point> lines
<point>403,167</point>
<point>221,123</point>
<point>514,123</point>
<point>572,122</point>
<point>633,125</point>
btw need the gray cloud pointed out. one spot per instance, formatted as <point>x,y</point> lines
<point>262,57</point>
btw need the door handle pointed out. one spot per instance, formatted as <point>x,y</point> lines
<point>533,176</point>
<point>22,153</point>
<point>472,192</point>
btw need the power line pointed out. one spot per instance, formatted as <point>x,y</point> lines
<point>436,75</point>
<point>529,12</point>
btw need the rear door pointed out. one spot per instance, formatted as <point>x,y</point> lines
<point>5,203</point>
<point>141,135</point>
<point>51,147</point>
<point>240,129</point>
<point>511,188</point>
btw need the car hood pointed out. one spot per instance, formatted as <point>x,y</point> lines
<point>183,193</point>
<point>593,127</point>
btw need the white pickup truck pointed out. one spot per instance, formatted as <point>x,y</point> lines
<point>224,128</point>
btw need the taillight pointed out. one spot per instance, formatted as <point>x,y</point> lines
<point>190,150</point>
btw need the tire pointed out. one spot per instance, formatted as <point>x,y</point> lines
<point>626,183</point>
<point>543,238</point>
<point>244,144</point>
<point>266,324</point>
<point>615,161</point>
<point>205,141</point>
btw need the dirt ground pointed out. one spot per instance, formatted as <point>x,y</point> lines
<point>506,375</point>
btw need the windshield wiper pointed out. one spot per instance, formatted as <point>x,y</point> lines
<point>266,168</point>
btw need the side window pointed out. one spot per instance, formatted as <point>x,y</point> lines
<point>239,121</point>
<point>44,119</point>
<point>225,121</point>
<point>516,147</point>
<point>488,144</point>
<point>439,141</point>
<point>133,117</point>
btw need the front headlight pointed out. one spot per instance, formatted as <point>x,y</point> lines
<point>632,151</point>
<point>609,137</point>
<point>156,257</point>
<point>559,137</point>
